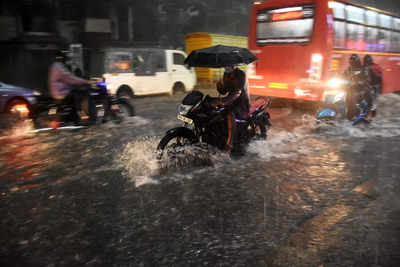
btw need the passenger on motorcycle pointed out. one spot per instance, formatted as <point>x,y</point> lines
<point>358,75</point>
<point>234,84</point>
<point>63,85</point>
<point>375,74</point>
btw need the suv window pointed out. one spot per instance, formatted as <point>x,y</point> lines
<point>179,59</point>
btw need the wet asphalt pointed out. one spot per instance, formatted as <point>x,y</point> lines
<point>311,195</point>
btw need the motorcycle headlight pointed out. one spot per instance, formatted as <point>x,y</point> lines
<point>184,109</point>
<point>36,93</point>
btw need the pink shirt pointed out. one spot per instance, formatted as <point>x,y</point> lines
<point>60,80</point>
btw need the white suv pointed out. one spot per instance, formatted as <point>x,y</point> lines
<point>145,71</point>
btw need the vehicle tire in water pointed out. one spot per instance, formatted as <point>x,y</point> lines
<point>125,109</point>
<point>44,120</point>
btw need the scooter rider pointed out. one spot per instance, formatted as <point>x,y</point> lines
<point>359,76</point>
<point>234,84</point>
<point>62,82</point>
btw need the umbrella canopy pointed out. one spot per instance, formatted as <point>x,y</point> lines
<point>220,56</point>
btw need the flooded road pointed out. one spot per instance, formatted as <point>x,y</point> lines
<point>311,195</point>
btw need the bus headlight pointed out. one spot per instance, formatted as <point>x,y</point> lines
<point>335,83</point>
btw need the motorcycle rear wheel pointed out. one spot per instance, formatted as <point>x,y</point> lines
<point>125,109</point>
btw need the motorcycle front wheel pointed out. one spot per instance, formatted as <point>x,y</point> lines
<point>173,145</point>
<point>176,150</point>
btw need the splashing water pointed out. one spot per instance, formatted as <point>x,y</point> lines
<point>139,160</point>
<point>385,124</point>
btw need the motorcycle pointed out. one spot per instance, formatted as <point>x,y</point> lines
<point>346,101</point>
<point>206,125</point>
<point>98,105</point>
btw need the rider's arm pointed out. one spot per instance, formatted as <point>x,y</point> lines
<point>230,98</point>
<point>69,78</point>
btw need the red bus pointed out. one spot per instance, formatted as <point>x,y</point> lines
<point>302,45</point>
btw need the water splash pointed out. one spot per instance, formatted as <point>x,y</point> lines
<point>385,124</point>
<point>139,160</point>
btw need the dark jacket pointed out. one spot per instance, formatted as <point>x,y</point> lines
<point>359,76</point>
<point>235,84</point>
<point>375,75</point>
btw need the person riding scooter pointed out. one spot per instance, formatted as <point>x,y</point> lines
<point>65,86</point>
<point>358,76</point>
<point>234,83</point>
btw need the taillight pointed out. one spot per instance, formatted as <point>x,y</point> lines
<point>316,67</point>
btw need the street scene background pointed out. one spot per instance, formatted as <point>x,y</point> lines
<point>312,194</point>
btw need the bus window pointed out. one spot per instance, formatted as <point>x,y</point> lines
<point>371,17</point>
<point>385,21</point>
<point>384,40</point>
<point>340,34</point>
<point>338,10</point>
<point>395,45</point>
<point>396,25</point>
<point>355,14</point>
<point>371,36</point>
<point>355,37</point>
<point>293,25</point>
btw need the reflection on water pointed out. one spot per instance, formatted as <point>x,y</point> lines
<point>23,158</point>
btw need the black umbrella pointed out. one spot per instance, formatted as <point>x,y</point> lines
<point>220,56</point>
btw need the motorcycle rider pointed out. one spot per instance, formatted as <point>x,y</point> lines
<point>234,84</point>
<point>63,85</point>
<point>358,75</point>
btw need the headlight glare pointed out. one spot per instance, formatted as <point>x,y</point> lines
<point>36,93</point>
<point>335,83</point>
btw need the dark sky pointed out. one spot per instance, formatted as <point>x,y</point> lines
<point>387,5</point>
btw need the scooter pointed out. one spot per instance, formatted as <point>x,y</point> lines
<point>345,102</point>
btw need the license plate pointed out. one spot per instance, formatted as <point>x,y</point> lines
<point>52,111</point>
<point>100,113</point>
<point>185,119</point>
